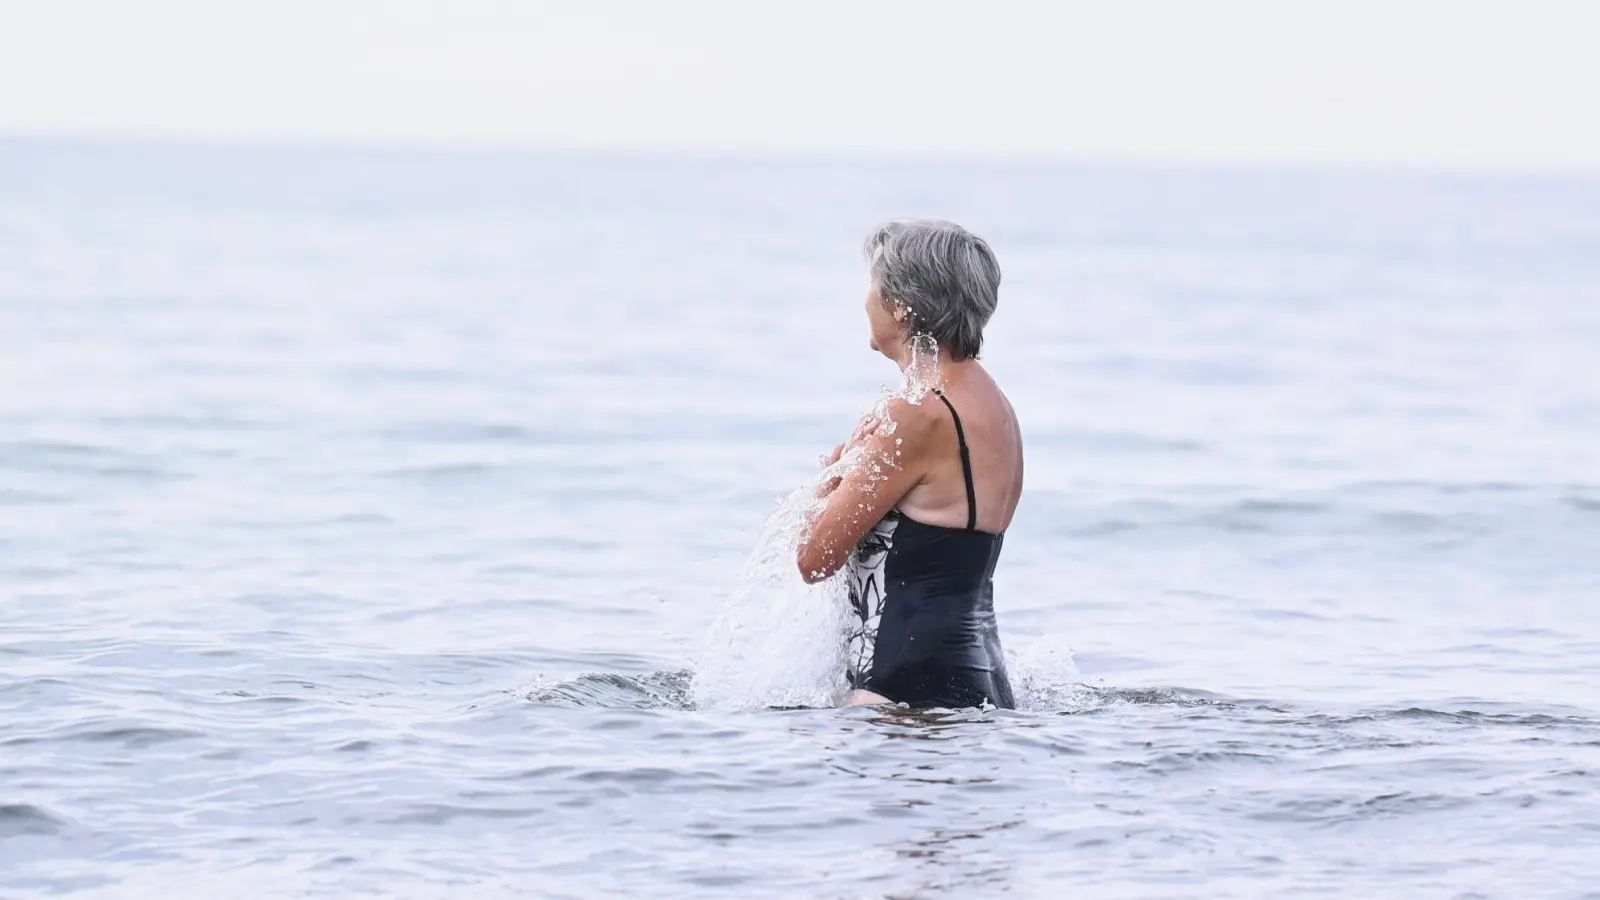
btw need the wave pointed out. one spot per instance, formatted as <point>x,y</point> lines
<point>609,690</point>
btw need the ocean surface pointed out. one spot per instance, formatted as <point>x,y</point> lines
<point>402,524</point>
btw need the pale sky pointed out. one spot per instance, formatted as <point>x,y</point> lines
<point>1410,83</point>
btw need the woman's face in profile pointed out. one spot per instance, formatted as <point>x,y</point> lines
<point>887,330</point>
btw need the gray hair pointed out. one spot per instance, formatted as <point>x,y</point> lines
<point>944,274</point>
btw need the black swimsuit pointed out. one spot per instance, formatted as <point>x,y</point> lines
<point>923,629</point>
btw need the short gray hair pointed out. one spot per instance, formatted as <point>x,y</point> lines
<point>944,274</point>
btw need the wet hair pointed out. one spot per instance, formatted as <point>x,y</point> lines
<point>944,274</point>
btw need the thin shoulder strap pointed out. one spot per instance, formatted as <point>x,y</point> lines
<point>966,463</point>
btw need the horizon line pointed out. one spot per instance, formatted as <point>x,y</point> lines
<point>821,155</point>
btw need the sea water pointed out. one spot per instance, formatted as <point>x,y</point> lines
<point>408,524</point>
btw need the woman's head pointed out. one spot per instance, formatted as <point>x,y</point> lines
<point>930,277</point>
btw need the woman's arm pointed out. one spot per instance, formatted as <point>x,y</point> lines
<point>889,464</point>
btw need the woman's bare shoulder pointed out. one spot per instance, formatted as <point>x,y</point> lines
<point>912,417</point>
<point>903,427</point>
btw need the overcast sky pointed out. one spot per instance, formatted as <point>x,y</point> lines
<point>1397,83</point>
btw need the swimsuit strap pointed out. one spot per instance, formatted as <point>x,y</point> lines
<point>966,464</point>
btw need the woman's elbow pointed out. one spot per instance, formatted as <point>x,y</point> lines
<point>813,568</point>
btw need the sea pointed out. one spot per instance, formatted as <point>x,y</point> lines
<point>419,523</point>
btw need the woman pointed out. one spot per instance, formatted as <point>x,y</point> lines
<point>919,518</point>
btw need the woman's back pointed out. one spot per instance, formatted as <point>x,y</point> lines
<point>994,442</point>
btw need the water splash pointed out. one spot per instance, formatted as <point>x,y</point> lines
<point>922,368</point>
<point>1045,676</point>
<point>777,641</point>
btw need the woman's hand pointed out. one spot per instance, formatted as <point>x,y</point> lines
<point>829,484</point>
<point>867,427</point>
